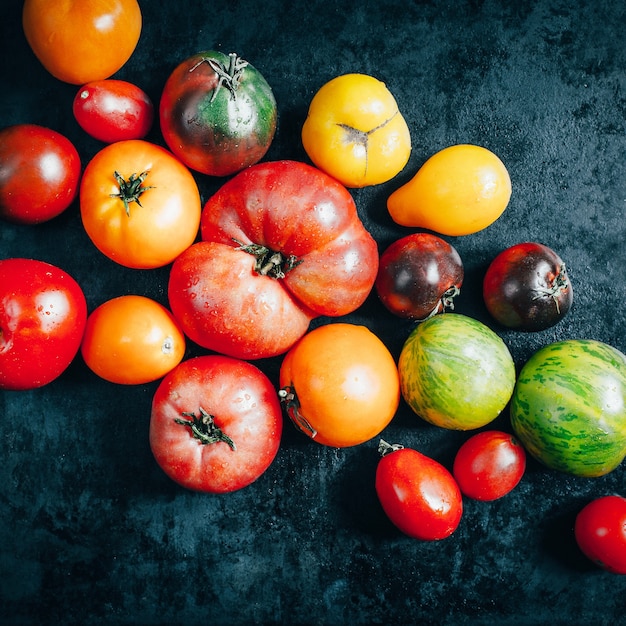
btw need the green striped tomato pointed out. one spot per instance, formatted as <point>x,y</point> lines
<point>569,407</point>
<point>455,372</point>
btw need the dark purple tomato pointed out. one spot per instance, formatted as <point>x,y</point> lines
<point>526,287</point>
<point>419,276</point>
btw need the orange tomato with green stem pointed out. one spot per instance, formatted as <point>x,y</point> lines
<point>139,204</point>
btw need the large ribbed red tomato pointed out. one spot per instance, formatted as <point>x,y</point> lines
<point>282,244</point>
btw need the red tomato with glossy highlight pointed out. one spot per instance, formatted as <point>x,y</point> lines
<point>418,494</point>
<point>600,531</point>
<point>39,173</point>
<point>489,465</point>
<point>216,424</point>
<point>113,110</point>
<point>43,313</point>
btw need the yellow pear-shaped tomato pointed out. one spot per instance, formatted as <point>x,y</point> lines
<point>355,132</point>
<point>458,191</point>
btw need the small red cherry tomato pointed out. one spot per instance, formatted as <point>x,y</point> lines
<point>418,494</point>
<point>113,110</point>
<point>489,465</point>
<point>39,173</point>
<point>600,531</point>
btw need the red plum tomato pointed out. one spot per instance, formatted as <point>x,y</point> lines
<point>489,465</point>
<point>282,243</point>
<point>215,424</point>
<point>217,113</point>
<point>419,275</point>
<point>600,531</point>
<point>526,287</point>
<point>39,173</point>
<point>43,313</point>
<point>113,110</point>
<point>418,494</point>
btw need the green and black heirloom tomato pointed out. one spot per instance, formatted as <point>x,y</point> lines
<point>218,114</point>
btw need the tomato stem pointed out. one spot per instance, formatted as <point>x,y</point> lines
<point>204,428</point>
<point>385,448</point>
<point>130,190</point>
<point>558,285</point>
<point>290,400</point>
<point>268,262</point>
<point>227,76</point>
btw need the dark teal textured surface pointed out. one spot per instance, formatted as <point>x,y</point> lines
<point>92,532</point>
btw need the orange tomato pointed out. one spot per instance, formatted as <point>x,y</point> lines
<point>79,41</point>
<point>458,191</point>
<point>355,132</point>
<point>139,204</point>
<point>132,340</point>
<point>340,384</point>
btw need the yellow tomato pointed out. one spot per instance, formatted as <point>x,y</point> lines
<point>340,385</point>
<point>132,340</point>
<point>458,191</point>
<point>355,132</point>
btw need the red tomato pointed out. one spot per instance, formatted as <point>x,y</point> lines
<point>600,532</point>
<point>418,494</point>
<point>39,173</point>
<point>42,319</point>
<point>283,243</point>
<point>419,276</point>
<point>216,424</point>
<point>113,110</point>
<point>489,465</point>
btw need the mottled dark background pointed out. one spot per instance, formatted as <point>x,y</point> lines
<point>92,532</point>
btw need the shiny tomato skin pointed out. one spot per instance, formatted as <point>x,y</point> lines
<point>251,318</point>
<point>82,40</point>
<point>214,124</point>
<point>526,287</point>
<point>340,385</point>
<point>418,276</point>
<point>149,233</point>
<point>489,465</point>
<point>42,319</point>
<point>132,339</point>
<point>243,405</point>
<point>113,110</point>
<point>600,531</point>
<point>39,173</point>
<point>298,210</point>
<point>355,132</point>
<point>418,494</point>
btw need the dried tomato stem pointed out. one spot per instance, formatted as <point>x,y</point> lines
<point>227,76</point>
<point>558,285</point>
<point>385,448</point>
<point>204,429</point>
<point>268,262</point>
